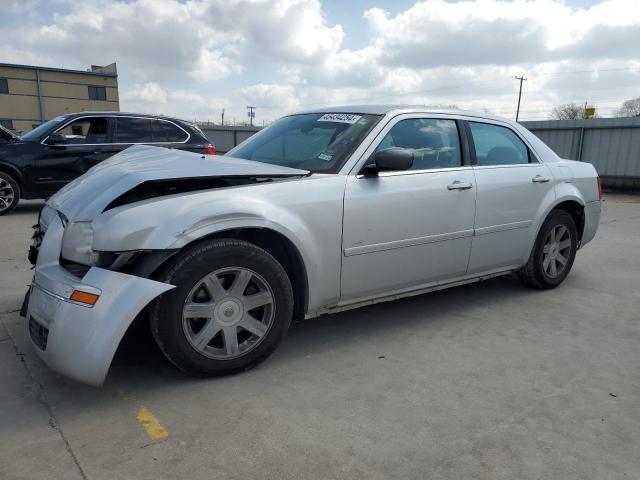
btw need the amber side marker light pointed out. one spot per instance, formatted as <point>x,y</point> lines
<point>84,297</point>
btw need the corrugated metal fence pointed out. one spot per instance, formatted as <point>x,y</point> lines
<point>225,138</point>
<point>612,145</point>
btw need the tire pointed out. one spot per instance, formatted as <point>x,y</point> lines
<point>210,301</point>
<point>9,193</point>
<point>556,243</point>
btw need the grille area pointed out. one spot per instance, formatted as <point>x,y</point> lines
<point>38,333</point>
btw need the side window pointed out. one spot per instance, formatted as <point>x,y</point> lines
<point>435,142</point>
<point>172,132</point>
<point>4,85</point>
<point>158,133</point>
<point>133,130</point>
<point>496,145</point>
<point>87,131</point>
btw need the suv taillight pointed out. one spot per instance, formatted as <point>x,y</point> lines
<point>599,188</point>
<point>209,149</point>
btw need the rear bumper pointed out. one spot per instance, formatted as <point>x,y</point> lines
<point>73,339</point>
<point>592,212</point>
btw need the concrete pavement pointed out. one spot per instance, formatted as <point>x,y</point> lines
<point>489,381</point>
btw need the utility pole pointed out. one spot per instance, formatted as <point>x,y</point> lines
<point>251,113</point>
<point>223,117</point>
<point>522,78</point>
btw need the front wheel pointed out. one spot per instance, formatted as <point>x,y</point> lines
<point>553,253</point>
<point>231,307</point>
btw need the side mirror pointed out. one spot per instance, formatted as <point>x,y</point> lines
<point>390,159</point>
<point>57,138</point>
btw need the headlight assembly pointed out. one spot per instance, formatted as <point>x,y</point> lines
<point>77,242</point>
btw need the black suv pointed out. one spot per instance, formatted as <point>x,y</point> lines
<point>38,163</point>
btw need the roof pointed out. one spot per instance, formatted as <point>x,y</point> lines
<point>384,109</point>
<point>64,70</point>
<point>114,113</point>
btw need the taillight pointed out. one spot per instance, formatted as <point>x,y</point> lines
<point>599,188</point>
<point>209,149</point>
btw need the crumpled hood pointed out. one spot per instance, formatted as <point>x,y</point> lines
<point>88,195</point>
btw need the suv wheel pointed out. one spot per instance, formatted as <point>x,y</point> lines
<point>231,307</point>
<point>553,253</point>
<point>9,193</point>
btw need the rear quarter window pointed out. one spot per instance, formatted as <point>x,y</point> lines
<point>172,132</point>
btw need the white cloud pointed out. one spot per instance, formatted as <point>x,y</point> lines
<point>194,57</point>
<point>152,98</point>
<point>271,96</point>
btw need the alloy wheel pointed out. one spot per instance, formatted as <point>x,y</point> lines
<point>7,195</point>
<point>228,313</point>
<point>556,251</point>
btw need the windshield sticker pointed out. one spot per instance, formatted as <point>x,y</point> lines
<point>340,118</point>
<point>325,157</point>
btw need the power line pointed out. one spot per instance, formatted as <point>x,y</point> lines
<point>593,70</point>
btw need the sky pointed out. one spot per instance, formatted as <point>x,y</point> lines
<point>192,58</point>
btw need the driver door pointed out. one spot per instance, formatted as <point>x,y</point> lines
<point>87,143</point>
<point>403,230</point>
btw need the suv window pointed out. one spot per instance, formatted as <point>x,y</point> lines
<point>133,130</point>
<point>90,130</point>
<point>435,142</point>
<point>167,132</point>
<point>496,145</point>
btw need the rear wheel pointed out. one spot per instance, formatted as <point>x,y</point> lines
<point>553,253</point>
<point>231,307</point>
<point>9,193</point>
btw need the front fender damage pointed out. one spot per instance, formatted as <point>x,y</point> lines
<point>82,341</point>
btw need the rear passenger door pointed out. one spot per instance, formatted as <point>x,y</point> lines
<point>511,185</point>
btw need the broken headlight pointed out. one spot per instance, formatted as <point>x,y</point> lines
<point>77,242</point>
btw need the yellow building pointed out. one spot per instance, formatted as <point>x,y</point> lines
<point>32,95</point>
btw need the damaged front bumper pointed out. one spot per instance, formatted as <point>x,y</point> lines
<point>72,338</point>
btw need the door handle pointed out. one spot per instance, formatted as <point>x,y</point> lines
<point>540,179</point>
<point>458,185</point>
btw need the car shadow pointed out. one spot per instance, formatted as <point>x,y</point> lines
<point>27,207</point>
<point>139,361</point>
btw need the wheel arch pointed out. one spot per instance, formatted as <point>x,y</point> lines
<point>568,198</point>
<point>284,251</point>
<point>576,210</point>
<point>14,173</point>
<point>275,243</point>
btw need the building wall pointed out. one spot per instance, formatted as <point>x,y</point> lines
<point>38,94</point>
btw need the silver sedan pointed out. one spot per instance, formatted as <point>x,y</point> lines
<point>323,211</point>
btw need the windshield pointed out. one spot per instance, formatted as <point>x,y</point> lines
<point>37,132</point>
<point>317,142</point>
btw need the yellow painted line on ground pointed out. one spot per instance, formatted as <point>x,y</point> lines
<point>154,428</point>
